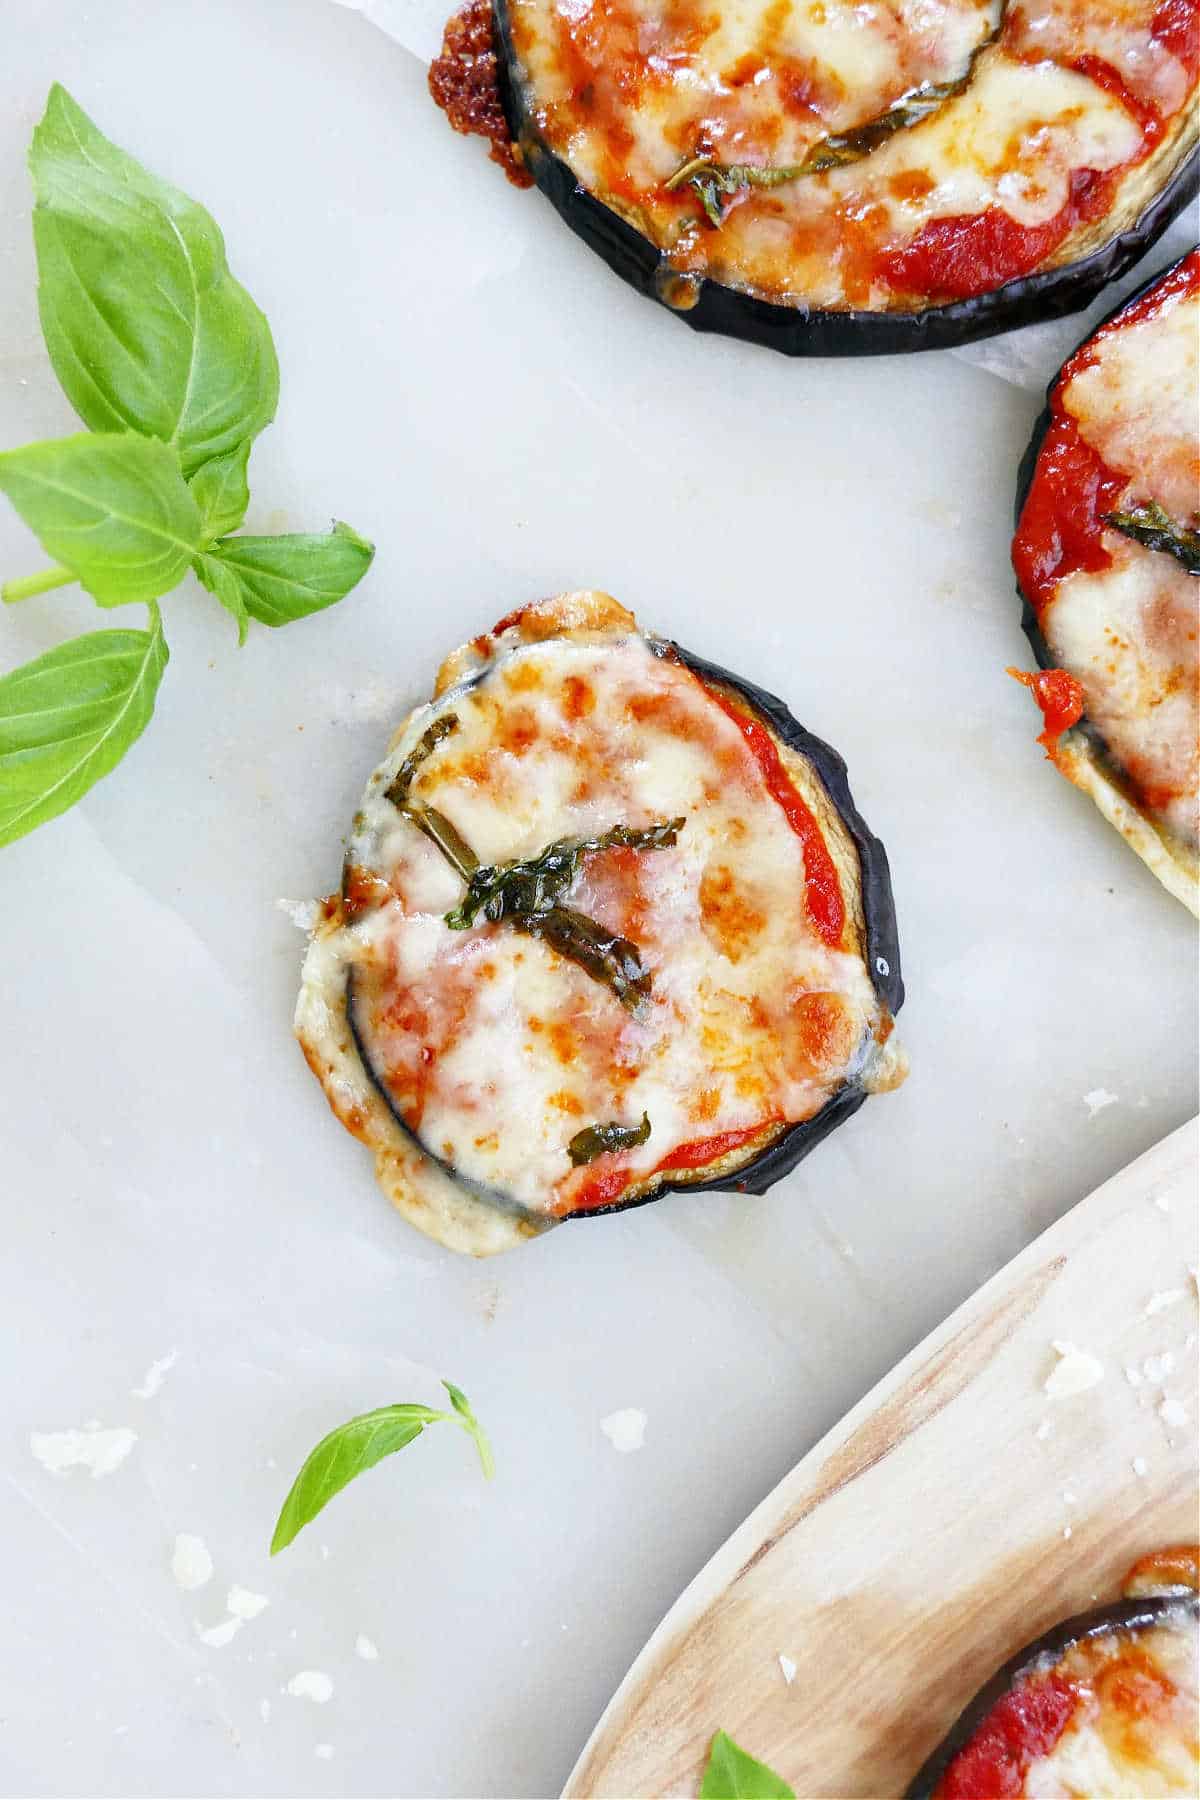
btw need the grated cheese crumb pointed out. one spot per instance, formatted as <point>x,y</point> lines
<point>1043,1431</point>
<point>1098,1099</point>
<point>311,1684</point>
<point>191,1563</point>
<point>1075,1370</point>
<point>625,1429</point>
<point>788,1668</point>
<point>1139,1465</point>
<point>1171,1412</point>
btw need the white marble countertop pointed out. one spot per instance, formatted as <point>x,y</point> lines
<point>465,384</point>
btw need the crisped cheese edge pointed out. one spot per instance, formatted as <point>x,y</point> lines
<point>427,1195</point>
<point>1177,867</point>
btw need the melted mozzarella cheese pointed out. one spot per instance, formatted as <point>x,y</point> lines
<point>1128,634</point>
<point>494,1049</point>
<point>1138,401</point>
<point>1135,1729</point>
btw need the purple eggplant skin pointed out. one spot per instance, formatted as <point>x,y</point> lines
<point>883,963</point>
<point>814,331</point>
<point>1124,1616</point>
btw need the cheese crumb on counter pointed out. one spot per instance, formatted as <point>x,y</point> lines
<point>366,1648</point>
<point>1139,1465</point>
<point>311,1684</point>
<point>243,1604</point>
<point>1074,1371</point>
<point>788,1669</point>
<point>217,1636</point>
<point>95,1449</point>
<point>155,1375</point>
<point>1171,1412</point>
<point>625,1429</point>
<point>1098,1099</point>
<point>191,1564</point>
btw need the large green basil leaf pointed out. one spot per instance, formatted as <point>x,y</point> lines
<point>145,325</point>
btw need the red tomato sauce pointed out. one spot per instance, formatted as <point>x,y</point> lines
<point>967,254</point>
<point>602,1186</point>
<point>1060,697</point>
<point>1022,1726</point>
<point>1176,25</point>
<point>823,890</point>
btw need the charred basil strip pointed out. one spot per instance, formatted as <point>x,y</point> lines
<point>605,955</point>
<point>715,182</point>
<point>602,1140</point>
<point>526,893</point>
<point>1157,530</point>
<point>535,886</point>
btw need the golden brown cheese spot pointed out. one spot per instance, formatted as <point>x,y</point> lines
<point>731,920</point>
<point>578,700</point>
<point>822,1034</point>
<point>566,1102</point>
<point>524,677</point>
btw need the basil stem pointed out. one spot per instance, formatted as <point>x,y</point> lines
<point>715,182</point>
<point>535,886</point>
<point>1157,530</point>
<point>602,1140</point>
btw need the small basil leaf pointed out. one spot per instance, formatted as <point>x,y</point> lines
<point>114,509</point>
<point>346,1452</point>
<point>220,489</point>
<point>607,1140</point>
<point>286,578</point>
<point>145,326</point>
<point>225,585</point>
<point>67,719</point>
<point>462,1407</point>
<point>733,1775</point>
<point>458,1400</point>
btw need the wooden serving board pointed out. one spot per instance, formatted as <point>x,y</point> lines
<point>953,1515</point>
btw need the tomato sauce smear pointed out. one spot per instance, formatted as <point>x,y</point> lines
<point>1024,1724</point>
<point>601,1187</point>
<point>823,889</point>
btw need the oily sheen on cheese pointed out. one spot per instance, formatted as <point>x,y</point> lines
<point>1060,112</point>
<point>488,1049</point>
<point>1119,617</point>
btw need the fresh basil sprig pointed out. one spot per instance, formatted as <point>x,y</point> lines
<point>1150,524</point>
<point>171,365</point>
<point>359,1445</point>
<point>731,1774</point>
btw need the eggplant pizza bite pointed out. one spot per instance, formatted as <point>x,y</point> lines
<point>609,925</point>
<point>840,177</point>
<point>1104,1706</point>
<point>1106,553</point>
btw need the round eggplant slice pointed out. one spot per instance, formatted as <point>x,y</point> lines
<point>845,180</point>
<point>1103,1705</point>
<point>610,926</point>
<point>1106,554</point>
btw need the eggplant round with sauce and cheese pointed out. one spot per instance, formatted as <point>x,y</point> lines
<point>610,925</point>
<point>1107,554</point>
<point>828,177</point>
<point>1104,1706</point>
